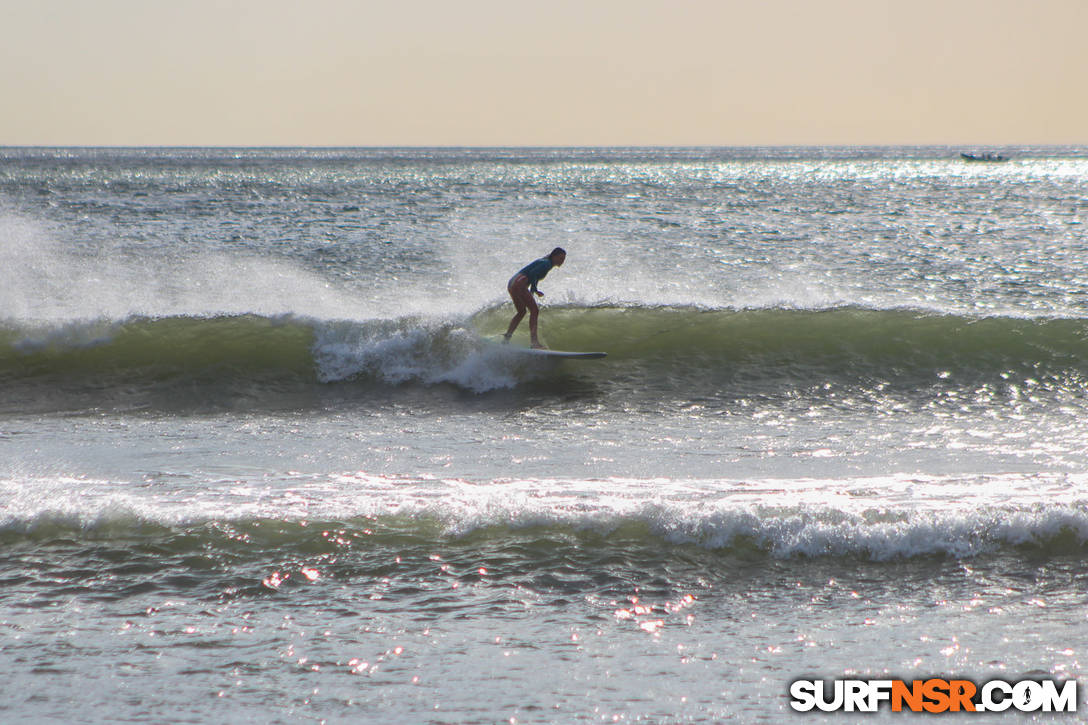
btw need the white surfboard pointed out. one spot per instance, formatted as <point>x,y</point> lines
<point>559,354</point>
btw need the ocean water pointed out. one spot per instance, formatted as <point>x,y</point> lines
<point>261,460</point>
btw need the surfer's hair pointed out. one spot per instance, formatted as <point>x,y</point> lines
<point>556,252</point>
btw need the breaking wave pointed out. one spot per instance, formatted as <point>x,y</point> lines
<point>868,520</point>
<point>663,349</point>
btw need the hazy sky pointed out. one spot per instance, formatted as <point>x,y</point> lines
<point>542,72</point>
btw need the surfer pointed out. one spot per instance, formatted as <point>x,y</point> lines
<point>522,287</point>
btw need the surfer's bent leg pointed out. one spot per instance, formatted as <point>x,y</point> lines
<point>534,312</point>
<point>519,293</point>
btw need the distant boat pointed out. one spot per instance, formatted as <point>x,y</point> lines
<point>984,157</point>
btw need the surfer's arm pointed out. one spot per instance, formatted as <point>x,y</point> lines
<point>536,272</point>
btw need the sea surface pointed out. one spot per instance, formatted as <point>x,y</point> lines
<point>262,461</point>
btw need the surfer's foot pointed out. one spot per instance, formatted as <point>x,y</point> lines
<point>506,339</point>
<point>538,346</point>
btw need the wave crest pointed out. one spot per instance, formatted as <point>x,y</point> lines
<point>664,351</point>
<point>784,520</point>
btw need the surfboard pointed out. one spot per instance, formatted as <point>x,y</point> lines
<point>566,354</point>
<point>557,354</point>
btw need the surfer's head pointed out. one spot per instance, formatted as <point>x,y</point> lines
<point>558,256</point>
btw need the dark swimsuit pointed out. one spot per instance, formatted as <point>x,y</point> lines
<point>534,272</point>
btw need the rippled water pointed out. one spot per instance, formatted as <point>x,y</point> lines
<point>261,460</point>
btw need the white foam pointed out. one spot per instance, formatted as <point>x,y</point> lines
<point>413,351</point>
<point>877,518</point>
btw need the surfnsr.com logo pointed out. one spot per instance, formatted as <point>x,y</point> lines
<point>934,695</point>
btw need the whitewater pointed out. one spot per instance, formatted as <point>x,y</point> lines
<point>261,460</point>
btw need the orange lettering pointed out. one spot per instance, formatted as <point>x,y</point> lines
<point>912,695</point>
<point>936,691</point>
<point>961,692</point>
